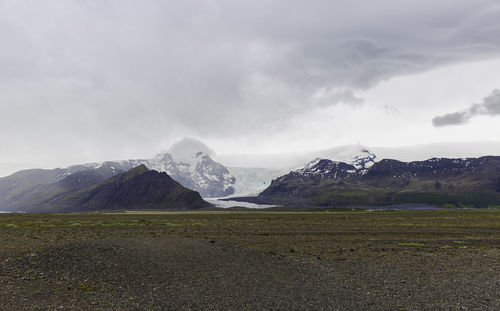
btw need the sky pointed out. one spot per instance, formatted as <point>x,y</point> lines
<point>94,80</point>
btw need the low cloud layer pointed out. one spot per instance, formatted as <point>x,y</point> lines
<point>489,106</point>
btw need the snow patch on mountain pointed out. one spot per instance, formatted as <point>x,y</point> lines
<point>363,161</point>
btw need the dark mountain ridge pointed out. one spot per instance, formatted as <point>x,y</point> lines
<point>472,182</point>
<point>139,188</point>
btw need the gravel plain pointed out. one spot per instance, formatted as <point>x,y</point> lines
<point>221,264</point>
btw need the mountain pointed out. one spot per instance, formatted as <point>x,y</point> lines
<point>197,172</point>
<point>473,182</point>
<point>138,188</point>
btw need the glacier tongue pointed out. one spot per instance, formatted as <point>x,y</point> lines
<point>252,181</point>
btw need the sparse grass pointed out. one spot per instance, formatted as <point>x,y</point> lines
<point>303,234</point>
<point>411,244</point>
<point>88,287</point>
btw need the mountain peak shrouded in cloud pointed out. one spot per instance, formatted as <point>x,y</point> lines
<point>187,148</point>
<point>489,106</point>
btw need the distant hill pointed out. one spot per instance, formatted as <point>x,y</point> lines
<point>27,189</point>
<point>470,182</point>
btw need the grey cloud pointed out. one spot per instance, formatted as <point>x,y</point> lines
<point>490,105</point>
<point>329,97</point>
<point>455,118</point>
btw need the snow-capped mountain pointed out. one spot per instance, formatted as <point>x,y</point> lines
<point>325,167</point>
<point>359,164</point>
<point>189,162</point>
<point>467,182</point>
<point>198,172</point>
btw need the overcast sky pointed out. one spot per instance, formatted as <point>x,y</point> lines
<point>92,80</point>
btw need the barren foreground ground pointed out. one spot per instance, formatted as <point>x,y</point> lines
<point>426,260</point>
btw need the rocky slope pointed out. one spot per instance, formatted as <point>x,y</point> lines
<point>439,181</point>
